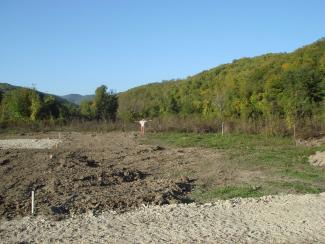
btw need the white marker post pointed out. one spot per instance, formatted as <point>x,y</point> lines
<point>222,128</point>
<point>32,202</point>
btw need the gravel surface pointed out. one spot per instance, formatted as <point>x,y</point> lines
<point>318,159</point>
<point>269,219</point>
<point>28,143</point>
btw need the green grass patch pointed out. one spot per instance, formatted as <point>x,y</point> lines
<point>253,151</point>
<point>295,187</point>
<point>226,192</point>
<point>229,141</point>
<point>270,188</point>
<point>284,165</point>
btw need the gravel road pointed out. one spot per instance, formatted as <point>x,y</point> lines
<point>269,219</point>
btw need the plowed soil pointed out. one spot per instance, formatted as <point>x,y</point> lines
<point>96,172</point>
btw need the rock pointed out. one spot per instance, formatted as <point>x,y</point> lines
<point>158,148</point>
<point>4,161</point>
<point>92,163</point>
<point>60,210</point>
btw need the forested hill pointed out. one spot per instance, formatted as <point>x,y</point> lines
<point>272,87</point>
<point>20,105</point>
<point>5,87</point>
<point>23,104</point>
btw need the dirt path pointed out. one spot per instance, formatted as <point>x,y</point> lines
<point>276,219</point>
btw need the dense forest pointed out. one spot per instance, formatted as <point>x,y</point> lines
<point>271,92</point>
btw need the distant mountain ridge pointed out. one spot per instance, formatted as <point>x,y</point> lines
<point>71,98</point>
<point>6,87</point>
<point>77,98</point>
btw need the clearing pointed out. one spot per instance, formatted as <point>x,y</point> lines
<point>99,173</point>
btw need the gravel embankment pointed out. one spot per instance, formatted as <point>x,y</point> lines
<point>28,143</point>
<point>270,219</point>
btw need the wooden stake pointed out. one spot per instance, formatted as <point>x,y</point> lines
<point>32,202</point>
<point>294,133</point>
<point>222,128</point>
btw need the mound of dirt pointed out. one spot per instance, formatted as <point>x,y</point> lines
<point>318,159</point>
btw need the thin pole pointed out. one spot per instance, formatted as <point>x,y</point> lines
<point>294,133</point>
<point>32,202</point>
<point>222,128</point>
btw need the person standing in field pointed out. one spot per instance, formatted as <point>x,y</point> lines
<point>142,124</point>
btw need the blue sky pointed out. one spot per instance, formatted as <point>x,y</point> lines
<point>73,46</point>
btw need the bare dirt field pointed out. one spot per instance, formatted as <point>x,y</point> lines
<point>83,177</point>
<point>96,172</point>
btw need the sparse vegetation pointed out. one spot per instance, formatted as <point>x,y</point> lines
<point>227,192</point>
<point>278,164</point>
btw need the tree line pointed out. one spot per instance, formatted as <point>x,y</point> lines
<point>28,105</point>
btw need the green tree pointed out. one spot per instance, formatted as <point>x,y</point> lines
<point>173,106</point>
<point>20,104</point>
<point>302,92</point>
<point>105,104</point>
<point>36,105</point>
<point>86,109</point>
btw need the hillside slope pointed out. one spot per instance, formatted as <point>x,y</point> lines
<point>77,98</point>
<point>5,87</point>
<point>27,104</point>
<point>271,87</point>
